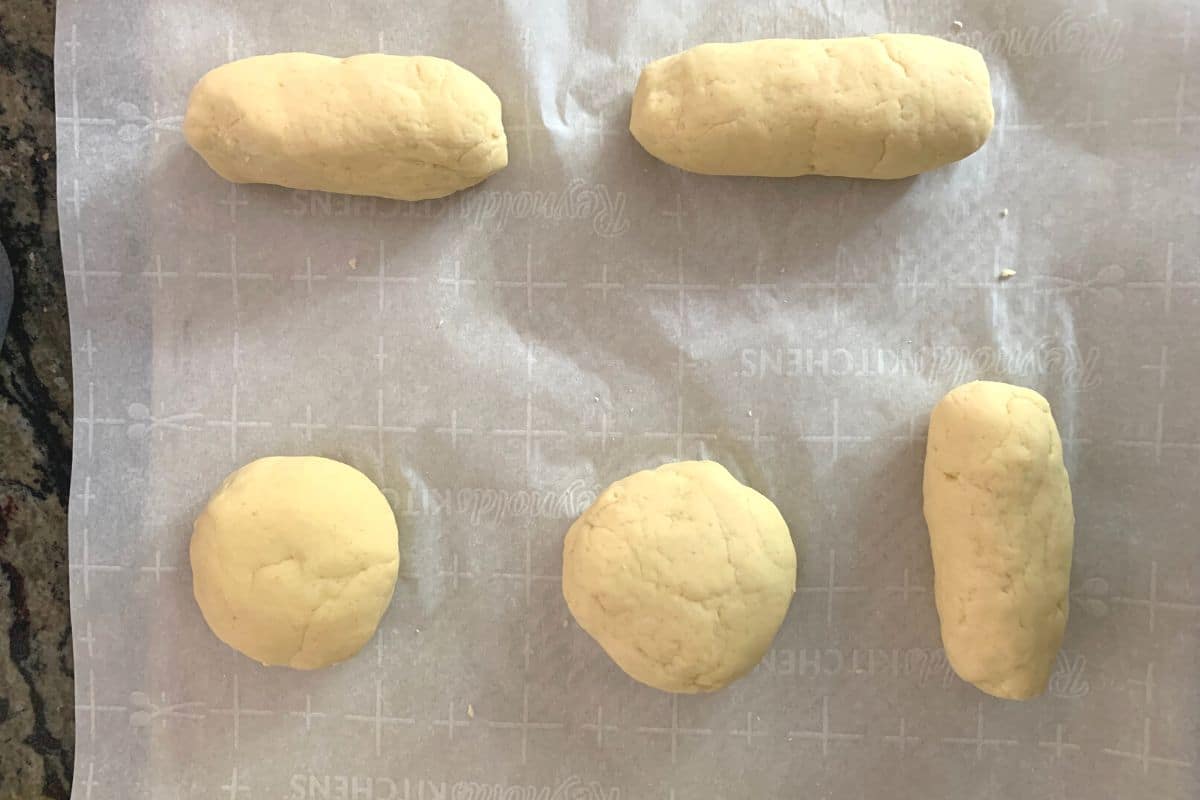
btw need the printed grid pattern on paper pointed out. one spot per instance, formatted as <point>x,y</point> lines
<point>494,359</point>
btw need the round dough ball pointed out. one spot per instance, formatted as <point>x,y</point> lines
<point>294,560</point>
<point>682,574</point>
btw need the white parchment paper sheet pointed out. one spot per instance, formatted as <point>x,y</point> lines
<point>493,359</point>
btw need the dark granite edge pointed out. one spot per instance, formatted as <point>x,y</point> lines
<point>36,660</point>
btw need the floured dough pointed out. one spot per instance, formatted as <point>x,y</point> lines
<point>405,127</point>
<point>682,574</point>
<point>1001,527</point>
<point>294,561</point>
<point>886,106</point>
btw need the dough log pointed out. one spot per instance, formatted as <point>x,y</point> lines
<point>1001,528</point>
<point>408,128</point>
<point>886,106</point>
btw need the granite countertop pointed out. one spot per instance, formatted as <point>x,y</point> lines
<point>37,731</point>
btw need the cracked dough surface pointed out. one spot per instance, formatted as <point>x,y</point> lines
<point>682,574</point>
<point>886,106</point>
<point>1001,528</point>
<point>294,560</point>
<point>404,127</point>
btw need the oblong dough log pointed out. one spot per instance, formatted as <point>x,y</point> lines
<point>886,106</point>
<point>404,127</point>
<point>1001,528</point>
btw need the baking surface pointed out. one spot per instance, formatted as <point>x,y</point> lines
<point>494,359</point>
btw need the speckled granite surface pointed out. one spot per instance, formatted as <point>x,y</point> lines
<point>36,687</point>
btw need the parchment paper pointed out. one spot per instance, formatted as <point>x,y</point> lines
<point>492,360</point>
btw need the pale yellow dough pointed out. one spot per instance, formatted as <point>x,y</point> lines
<point>886,106</point>
<point>682,574</point>
<point>1001,527</point>
<point>294,561</point>
<point>404,127</point>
